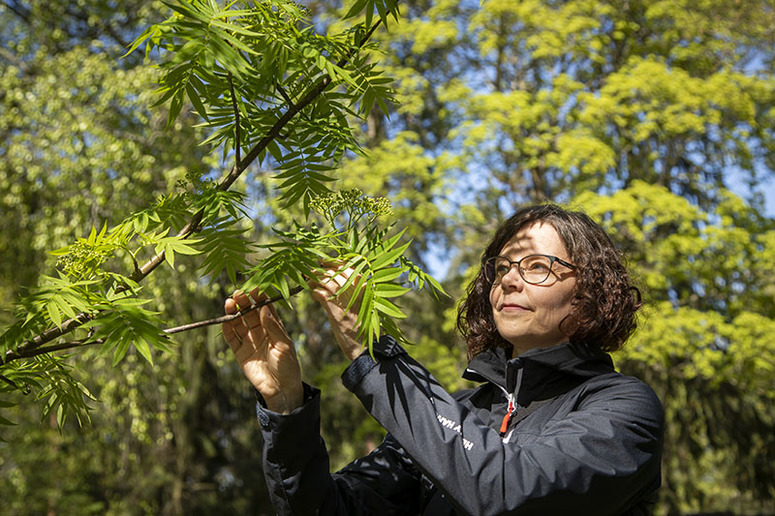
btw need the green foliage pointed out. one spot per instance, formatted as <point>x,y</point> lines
<point>238,66</point>
<point>239,63</point>
<point>414,180</point>
<point>351,237</point>
<point>58,392</point>
<point>705,342</point>
<point>121,323</point>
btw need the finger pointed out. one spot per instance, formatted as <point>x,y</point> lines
<point>268,313</point>
<point>273,313</point>
<point>339,270</point>
<point>322,296</point>
<point>234,333</point>
<point>242,299</point>
<point>329,286</point>
<point>229,307</point>
<point>331,281</point>
<point>273,326</point>
<point>233,339</point>
<point>330,292</point>
<point>323,292</point>
<point>331,263</point>
<point>250,318</point>
<point>257,296</point>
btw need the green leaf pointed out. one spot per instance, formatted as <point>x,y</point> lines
<point>388,274</point>
<point>144,349</point>
<point>54,314</point>
<point>389,257</point>
<point>357,264</point>
<point>356,8</point>
<point>147,34</point>
<point>175,244</point>
<point>224,249</point>
<point>123,324</point>
<point>387,308</point>
<point>120,352</point>
<point>193,96</point>
<point>387,290</point>
<point>361,284</point>
<point>367,307</point>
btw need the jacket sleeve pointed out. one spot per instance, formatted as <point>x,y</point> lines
<point>601,458</point>
<point>296,468</point>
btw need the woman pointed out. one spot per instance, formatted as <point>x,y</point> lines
<point>551,430</point>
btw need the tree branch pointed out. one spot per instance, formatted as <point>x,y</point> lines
<point>292,111</point>
<point>11,355</point>
<point>42,350</point>
<point>54,333</point>
<point>239,167</point>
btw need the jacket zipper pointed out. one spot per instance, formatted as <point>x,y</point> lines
<point>510,396</point>
<point>507,417</point>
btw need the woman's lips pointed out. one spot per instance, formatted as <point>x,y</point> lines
<point>512,307</point>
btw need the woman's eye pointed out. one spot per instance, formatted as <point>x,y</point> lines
<point>502,269</point>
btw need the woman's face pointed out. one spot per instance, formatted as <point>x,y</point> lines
<point>528,316</point>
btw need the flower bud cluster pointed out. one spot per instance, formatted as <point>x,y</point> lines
<point>351,201</point>
<point>82,259</point>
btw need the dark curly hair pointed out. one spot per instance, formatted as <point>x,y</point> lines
<point>604,301</point>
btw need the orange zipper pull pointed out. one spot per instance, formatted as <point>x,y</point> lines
<point>505,422</point>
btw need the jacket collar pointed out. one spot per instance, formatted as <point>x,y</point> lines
<point>540,373</point>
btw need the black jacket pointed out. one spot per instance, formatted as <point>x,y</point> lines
<point>590,443</point>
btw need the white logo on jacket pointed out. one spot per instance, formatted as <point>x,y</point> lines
<point>456,427</point>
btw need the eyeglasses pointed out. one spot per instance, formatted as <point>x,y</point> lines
<point>534,268</point>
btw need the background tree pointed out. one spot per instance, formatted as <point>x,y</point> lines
<point>643,114</point>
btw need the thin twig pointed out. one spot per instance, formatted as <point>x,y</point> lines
<point>16,355</point>
<point>283,94</point>
<point>229,317</point>
<point>237,137</point>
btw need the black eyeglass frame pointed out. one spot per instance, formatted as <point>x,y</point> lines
<point>518,263</point>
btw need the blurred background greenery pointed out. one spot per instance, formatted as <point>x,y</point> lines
<point>655,117</point>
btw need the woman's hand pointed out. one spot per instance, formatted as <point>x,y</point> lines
<point>264,352</point>
<point>343,321</point>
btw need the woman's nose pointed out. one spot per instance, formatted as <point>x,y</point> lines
<point>512,279</point>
